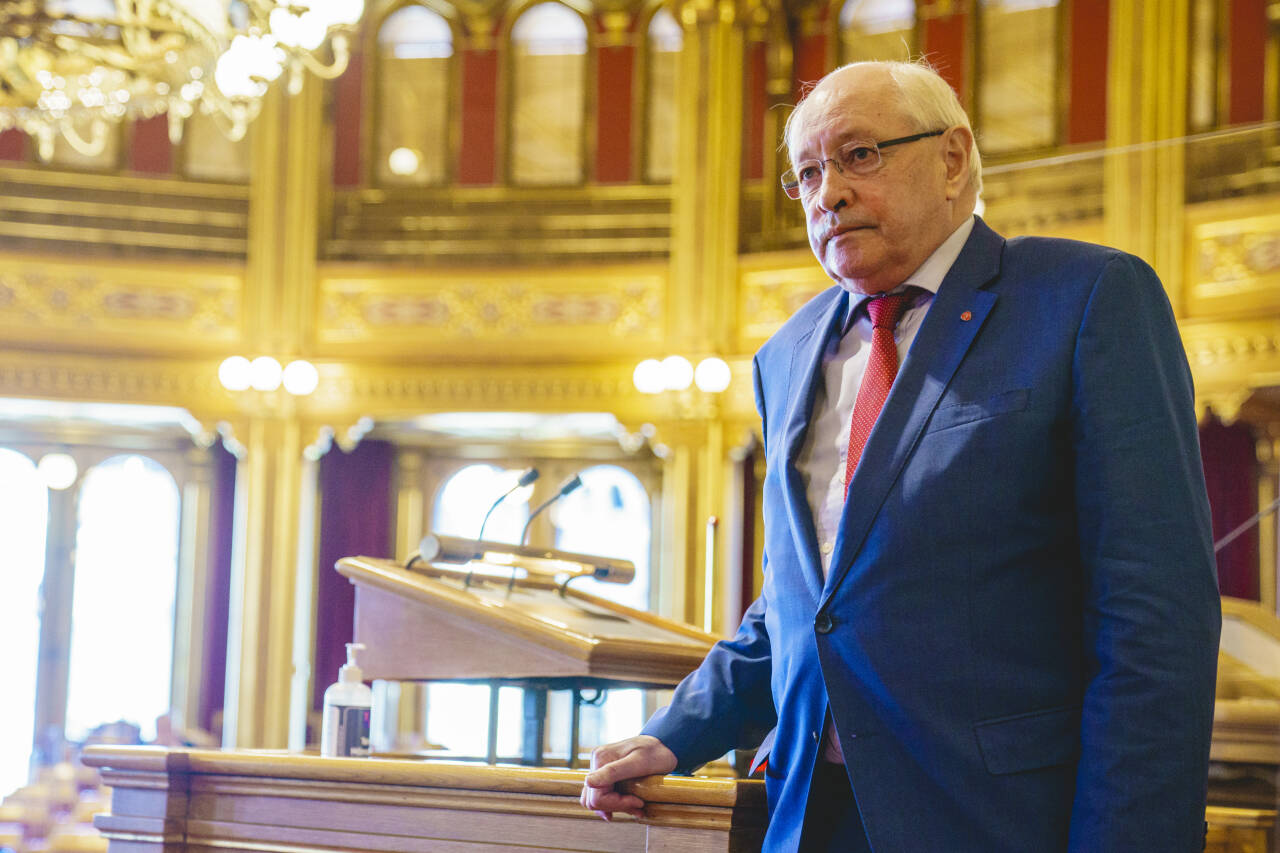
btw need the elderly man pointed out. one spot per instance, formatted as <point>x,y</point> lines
<point>990,618</point>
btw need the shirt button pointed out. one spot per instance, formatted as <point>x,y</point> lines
<point>815,737</point>
<point>826,547</point>
<point>824,623</point>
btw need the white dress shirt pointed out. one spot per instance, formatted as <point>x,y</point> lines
<point>821,462</point>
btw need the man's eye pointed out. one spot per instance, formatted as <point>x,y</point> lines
<point>809,172</point>
<point>859,154</point>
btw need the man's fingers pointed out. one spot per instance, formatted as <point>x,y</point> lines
<point>603,801</point>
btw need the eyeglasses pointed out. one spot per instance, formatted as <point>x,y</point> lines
<point>859,157</point>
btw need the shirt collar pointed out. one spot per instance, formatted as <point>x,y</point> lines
<point>928,276</point>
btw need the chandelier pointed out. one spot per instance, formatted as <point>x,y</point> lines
<point>75,68</point>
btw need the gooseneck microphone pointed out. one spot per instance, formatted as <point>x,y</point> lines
<point>568,486</point>
<point>525,479</point>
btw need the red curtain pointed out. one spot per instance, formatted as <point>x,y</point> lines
<point>355,519</point>
<point>1231,475</point>
<point>222,506</point>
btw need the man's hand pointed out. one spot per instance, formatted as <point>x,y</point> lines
<point>633,758</point>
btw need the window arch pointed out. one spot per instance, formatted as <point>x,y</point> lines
<point>464,499</point>
<point>877,29</point>
<point>24,513</point>
<point>415,50</point>
<point>126,559</point>
<point>665,40</point>
<point>1018,58</point>
<point>609,516</point>
<point>548,85</point>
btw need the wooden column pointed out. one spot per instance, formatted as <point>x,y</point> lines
<point>280,293</point>
<point>1144,177</point>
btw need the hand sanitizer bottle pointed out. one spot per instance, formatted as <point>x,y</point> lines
<point>347,705</point>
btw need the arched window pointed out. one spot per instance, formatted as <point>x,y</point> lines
<point>877,29</point>
<point>548,83</point>
<point>609,516</point>
<point>126,562</point>
<point>414,49</point>
<point>24,510</point>
<point>665,42</point>
<point>466,496</point>
<point>456,713</point>
<point>1017,74</point>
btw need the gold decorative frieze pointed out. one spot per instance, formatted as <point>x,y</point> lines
<point>574,313</point>
<point>1233,259</point>
<point>771,288</point>
<point>106,306</point>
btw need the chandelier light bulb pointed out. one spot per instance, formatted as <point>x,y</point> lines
<point>712,375</point>
<point>265,373</point>
<point>300,378</point>
<point>57,470</point>
<point>234,372</point>
<point>677,373</point>
<point>648,378</point>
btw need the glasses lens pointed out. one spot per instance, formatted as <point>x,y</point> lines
<point>860,158</point>
<point>791,184</point>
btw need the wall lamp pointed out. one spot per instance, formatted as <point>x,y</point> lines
<point>264,373</point>
<point>676,373</point>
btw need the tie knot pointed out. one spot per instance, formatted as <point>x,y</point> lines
<point>885,311</point>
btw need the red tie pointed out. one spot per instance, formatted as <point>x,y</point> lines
<point>882,367</point>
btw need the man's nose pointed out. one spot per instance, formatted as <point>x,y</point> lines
<point>835,191</point>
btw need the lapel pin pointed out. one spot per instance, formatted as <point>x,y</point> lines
<point>966,316</point>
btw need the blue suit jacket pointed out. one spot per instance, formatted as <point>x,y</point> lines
<point>1021,617</point>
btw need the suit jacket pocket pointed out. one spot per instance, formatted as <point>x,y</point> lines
<point>956,414</point>
<point>1030,741</point>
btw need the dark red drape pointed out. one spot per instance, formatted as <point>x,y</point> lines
<point>355,519</point>
<point>222,505</point>
<point>1231,476</point>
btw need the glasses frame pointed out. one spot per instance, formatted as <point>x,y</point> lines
<point>791,179</point>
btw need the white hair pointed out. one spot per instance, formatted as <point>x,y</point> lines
<point>927,99</point>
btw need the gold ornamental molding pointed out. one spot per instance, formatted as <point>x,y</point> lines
<point>1233,258</point>
<point>572,314</point>
<point>113,306</point>
<point>771,287</point>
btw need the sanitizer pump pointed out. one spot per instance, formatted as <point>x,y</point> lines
<point>347,705</point>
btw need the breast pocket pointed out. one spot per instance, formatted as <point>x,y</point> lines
<point>1030,741</point>
<point>957,414</point>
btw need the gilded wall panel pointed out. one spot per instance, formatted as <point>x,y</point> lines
<point>1233,260</point>
<point>117,306</point>
<point>579,313</point>
<point>772,287</point>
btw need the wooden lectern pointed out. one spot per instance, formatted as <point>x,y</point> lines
<point>437,622</point>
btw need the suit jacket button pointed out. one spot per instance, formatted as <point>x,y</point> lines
<point>824,623</point>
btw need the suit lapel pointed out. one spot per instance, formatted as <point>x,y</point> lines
<point>805,374</point>
<point>958,311</point>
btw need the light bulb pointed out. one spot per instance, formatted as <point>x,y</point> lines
<point>647,377</point>
<point>712,375</point>
<point>403,161</point>
<point>57,470</point>
<point>300,378</point>
<point>233,373</point>
<point>265,373</point>
<point>677,373</point>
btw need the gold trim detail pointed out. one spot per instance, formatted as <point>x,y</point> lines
<point>499,314</point>
<point>117,306</point>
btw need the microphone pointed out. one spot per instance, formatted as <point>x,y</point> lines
<point>525,479</point>
<point>568,486</point>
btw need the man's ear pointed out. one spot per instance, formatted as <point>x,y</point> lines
<point>957,145</point>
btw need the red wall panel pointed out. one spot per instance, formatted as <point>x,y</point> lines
<point>13,145</point>
<point>754,104</point>
<point>150,150</point>
<point>614,73</point>
<point>946,46</point>
<point>348,115</point>
<point>1087,73</point>
<point>1246,57</point>
<point>477,160</point>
